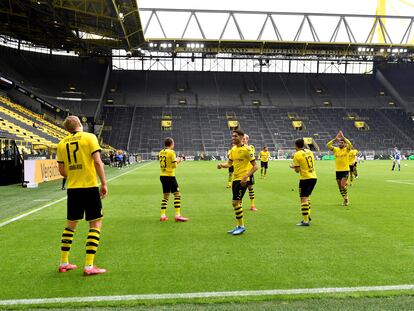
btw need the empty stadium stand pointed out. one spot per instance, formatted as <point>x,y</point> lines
<point>205,129</point>
<point>20,123</point>
<point>200,102</point>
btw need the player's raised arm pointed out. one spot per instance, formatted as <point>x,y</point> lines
<point>330,143</point>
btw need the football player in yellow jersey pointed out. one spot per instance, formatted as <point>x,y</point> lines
<point>304,163</point>
<point>79,160</point>
<point>231,170</point>
<point>168,163</point>
<point>264,160</point>
<point>245,141</point>
<point>341,162</point>
<point>353,161</point>
<point>242,158</point>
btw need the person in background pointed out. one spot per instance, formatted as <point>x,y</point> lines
<point>396,155</point>
<point>245,141</point>
<point>353,162</point>
<point>264,156</point>
<point>341,163</point>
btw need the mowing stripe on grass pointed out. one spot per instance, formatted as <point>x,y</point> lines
<point>2,224</point>
<point>276,292</point>
<point>404,182</point>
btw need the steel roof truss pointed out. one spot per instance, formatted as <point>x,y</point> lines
<point>198,24</point>
<point>231,16</point>
<point>407,32</point>
<point>312,29</point>
<point>275,29</point>
<point>351,36</point>
<point>154,13</point>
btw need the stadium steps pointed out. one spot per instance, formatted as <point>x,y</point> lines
<point>26,124</point>
<point>48,127</point>
<point>22,134</point>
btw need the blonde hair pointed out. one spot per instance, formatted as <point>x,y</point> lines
<point>71,123</point>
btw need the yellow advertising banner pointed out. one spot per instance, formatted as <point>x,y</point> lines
<point>359,124</point>
<point>166,123</point>
<point>297,124</point>
<point>38,171</point>
<point>308,140</point>
<point>233,123</point>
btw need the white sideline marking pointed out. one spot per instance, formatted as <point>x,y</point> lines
<point>2,224</point>
<point>405,182</point>
<point>30,212</point>
<point>115,177</point>
<point>41,200</point>
<point>275,292</point>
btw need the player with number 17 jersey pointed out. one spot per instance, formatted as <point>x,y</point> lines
<point>75,152</point>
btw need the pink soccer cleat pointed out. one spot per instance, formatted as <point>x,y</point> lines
<point>66,267</point>
<point>253,208</point>
<point>180,219</point>
<point>92,271</point>
<point>163,218</point>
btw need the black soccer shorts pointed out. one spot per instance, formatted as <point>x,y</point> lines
<point>84,202</point>
<point>342,174</point>
<point>263,164</point>
<point>306,187</point>
<point>169,184</point>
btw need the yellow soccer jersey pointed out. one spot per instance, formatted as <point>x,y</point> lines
<point>253,150</point>
<point>341,159</point>
<point>264,156</point>
<point>75,152</point>
<point>352,156</point>
<point>168,162</point>
<point>241,157</point>
<point>305,160</point>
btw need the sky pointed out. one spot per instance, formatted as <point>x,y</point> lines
<point>174,24</point>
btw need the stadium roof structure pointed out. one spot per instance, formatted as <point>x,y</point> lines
<point>86,26</point>
<point>95,27</point>
<point>279,33</point>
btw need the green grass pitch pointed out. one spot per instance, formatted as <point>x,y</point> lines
<point>368,243</point>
